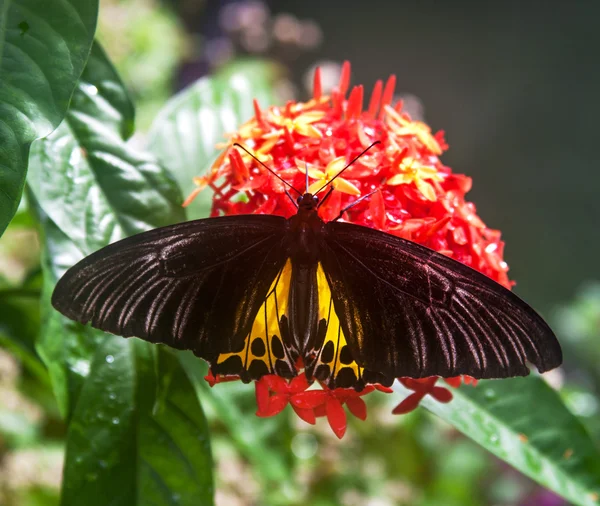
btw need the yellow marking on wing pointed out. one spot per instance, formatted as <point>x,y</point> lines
<point>334,333</point>
<point>265,330</point>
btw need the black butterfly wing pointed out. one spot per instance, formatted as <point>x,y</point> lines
<point>406,310</point>
<point>196,285</point>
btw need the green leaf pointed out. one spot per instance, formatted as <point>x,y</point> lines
<point>44,45</point>
<point>20,325</point>
<point>66,347</point>
<point>185,133</point>
<point>92,188</point>
<point>525,423</point>
<point>252,438</point>
<point>93,185</point>
<point>138,435</point>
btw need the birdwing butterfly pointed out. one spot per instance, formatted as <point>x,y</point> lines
<point>259,294</point>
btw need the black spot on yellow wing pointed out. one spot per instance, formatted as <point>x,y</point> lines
<point>328,352</point>
<point>277,347</point>
<point>263,351</point>
<point>346,356</point>
<point>257,348</point>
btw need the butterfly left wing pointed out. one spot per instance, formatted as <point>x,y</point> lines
<point>204,285</point>
<point>405,310</point>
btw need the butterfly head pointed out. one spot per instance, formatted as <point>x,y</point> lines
<point>307,202</point>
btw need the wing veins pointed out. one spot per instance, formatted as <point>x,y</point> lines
<point>222,262</point>
<point>489,335</point>
<point>393,287</point>
<point>447,345</point>
<point>135,301</point>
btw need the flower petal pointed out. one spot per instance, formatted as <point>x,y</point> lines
<point>299,384</point>
<point>308,400</point>
<point>377,210</point>
<point>427,172</point>
<point>469,380</point>
<point>335,166</point>
<point>308,415</point>
<point>336,416</point>
<point>309,117</point>
<point>407,405</point>
<point>441,394</point>
<point>308,131</point>
<point>210,378</point>
<point>275,383</point>
<point>277,404</point>
<point>400,179</point>
<point>344,186</point>
<point>426,189</point>
<point>357,407</point>
<point>454,382</point>
<point>312,172</point>
<point>266,147</point>
<point>261,391</point>
<point>191,197</point>
<point>316,186</point>
<point>320,411</point>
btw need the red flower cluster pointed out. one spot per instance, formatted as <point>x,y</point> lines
<point>274,393</point>
<point>417,198</point>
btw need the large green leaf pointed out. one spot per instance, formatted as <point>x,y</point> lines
<point>525,423</point>
<point>20,323</point>
<point>254,438</point>
<point>92,188</point>
<point>185,133</point>
<point>44,45</point>
<point>65,346</point>
<point>92,184</point>
<point>138,435</point>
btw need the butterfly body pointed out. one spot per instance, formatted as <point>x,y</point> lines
<point>258,294</point>
<point>303,238</point>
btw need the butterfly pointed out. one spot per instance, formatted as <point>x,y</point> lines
<point>261,294</point>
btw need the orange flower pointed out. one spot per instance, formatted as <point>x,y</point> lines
<point>411,171</point>
<point>323,177</point>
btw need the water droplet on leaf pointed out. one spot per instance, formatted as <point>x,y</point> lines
<point>24,27</point>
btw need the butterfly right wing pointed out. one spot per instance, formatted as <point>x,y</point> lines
<point>405,310</point>
<point>198,285</point>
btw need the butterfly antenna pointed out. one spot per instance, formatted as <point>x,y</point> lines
<point>341,171</point>
<point>268,168</point>
<point>354,203</point>
<point>306,173</point>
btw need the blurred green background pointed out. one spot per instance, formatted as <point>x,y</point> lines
<point>515,87</point>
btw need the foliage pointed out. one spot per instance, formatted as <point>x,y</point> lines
<point>35,89</point>
<point>137,423</point>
